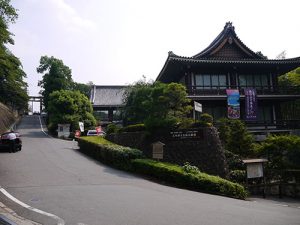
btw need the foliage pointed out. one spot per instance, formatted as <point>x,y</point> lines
<point>234,161</point>
<point>112,128</point>
<point>82,88</point>
<point>235,137</point>
<point>188,168</point>
<point>157,105</point>
<point>283,151</point>
<point>133,128</point>
<point>290,84</point>
<point>70,107</point>
<point>207,118</point>
<point>13,89</point>
<point>57,76</point>
<point>193,179</point>
<point>290,81</point>
<point>238,176</point>
<point>108,152</point>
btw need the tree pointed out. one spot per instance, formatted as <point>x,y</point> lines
<point>57,76</point>
<point>156,104</point>
<point>290,83</point>
<point>235,137</point>
<point>13,89</point>
<point>66,106</point>
<point>83,88</point>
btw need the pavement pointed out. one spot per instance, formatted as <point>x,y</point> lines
<point>10,217</point>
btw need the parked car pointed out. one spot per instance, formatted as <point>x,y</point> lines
<point>94,133</point>
<point>4,141</point>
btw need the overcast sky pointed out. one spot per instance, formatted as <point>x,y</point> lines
<point>118,41</point>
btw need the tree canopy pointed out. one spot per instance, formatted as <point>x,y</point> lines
<point>66,106</point>
<point>57,76</point>
<point>156,105</point>
<point>13,88</point>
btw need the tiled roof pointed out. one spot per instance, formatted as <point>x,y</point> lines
<point>227,35</point>
<point>174,57</point>
<point>107,96</point>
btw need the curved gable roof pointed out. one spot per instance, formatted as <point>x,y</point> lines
<point>227,44</point>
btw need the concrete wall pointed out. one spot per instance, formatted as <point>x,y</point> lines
<point>204,151</point>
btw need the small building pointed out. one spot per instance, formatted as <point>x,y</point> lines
<point>227,63</point>
<point>107,101</point>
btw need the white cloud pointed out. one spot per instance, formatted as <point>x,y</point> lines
<point>70,18</point>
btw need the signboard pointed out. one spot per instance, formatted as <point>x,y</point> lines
<point>197,106</point>
<point>77,133</point>
<point>158,150</point>
<point>255,170</point>
<point>98,129</point>
<point>185,134</point>
<point>81,126</point>
<point>250,103</point>
<point>233,103</point>
<point>63,130</point>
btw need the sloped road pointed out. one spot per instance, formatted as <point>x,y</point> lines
<point>50,175</point>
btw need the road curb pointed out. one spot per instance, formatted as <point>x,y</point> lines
<point>27,211</point>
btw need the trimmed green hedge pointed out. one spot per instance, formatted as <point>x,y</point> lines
<point>108,152</point>
<point>195,181</point>
<point>133,128</point>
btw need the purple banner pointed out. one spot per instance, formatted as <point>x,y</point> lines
<point>250,104</point>
<point>233,104</point>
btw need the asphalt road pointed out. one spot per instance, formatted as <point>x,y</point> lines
<point>49,174</point>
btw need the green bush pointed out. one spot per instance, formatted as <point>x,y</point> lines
<point>108,152</point>
<point>112,128</point>
<point>198,123</point>
<point>190,179</point>
<point>238,176</point>
<point>235,137</point>
<point>133,128</point>
<point>283,151</point>
<point>207,118</point>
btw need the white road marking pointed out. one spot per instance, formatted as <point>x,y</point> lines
<point>60,221</point>
<point>43,128</point>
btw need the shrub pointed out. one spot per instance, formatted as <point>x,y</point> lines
<point>108,152</point>
<point>238,176</point>
<point>283,151</point>
<point>207,118</point>
<point>188,168</point>
<point>235,137</point>
<point>187,178</point>
<point>133,128</point>
<point>112,128</point>
<point>198,123</point>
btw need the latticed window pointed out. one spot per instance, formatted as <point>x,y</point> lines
<point>210,81</point>
<point>258,81</point>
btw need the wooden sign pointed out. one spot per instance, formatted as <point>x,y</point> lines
<point>158,150</point>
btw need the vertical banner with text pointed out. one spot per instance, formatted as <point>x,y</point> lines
<point>250,104</point>
<point>233,103</point>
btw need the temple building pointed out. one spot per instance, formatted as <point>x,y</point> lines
<point>107,101</point>
<point>228,64</point>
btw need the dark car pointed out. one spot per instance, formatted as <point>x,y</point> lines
<point>5,144</point>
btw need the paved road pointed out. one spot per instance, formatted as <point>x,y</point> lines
<point>49,174</point>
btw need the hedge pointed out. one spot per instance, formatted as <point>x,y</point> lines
<point>199,181</point>
<point>108,152</point>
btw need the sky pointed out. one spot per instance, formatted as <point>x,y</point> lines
<point>117,42</point>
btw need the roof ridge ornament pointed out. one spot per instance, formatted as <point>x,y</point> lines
<point>229,25</point>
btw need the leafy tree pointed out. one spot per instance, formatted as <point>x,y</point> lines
<point>83,88</point>
<point>156,104</point>
<point>13,89</point>
<point>57,76</point>
<point>67,106</point>
<point>290,83</point>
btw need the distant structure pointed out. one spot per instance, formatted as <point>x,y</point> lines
<point>107,101</point>
<point>228,64</point>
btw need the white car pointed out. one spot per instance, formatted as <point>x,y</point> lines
<point>94,133</point>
